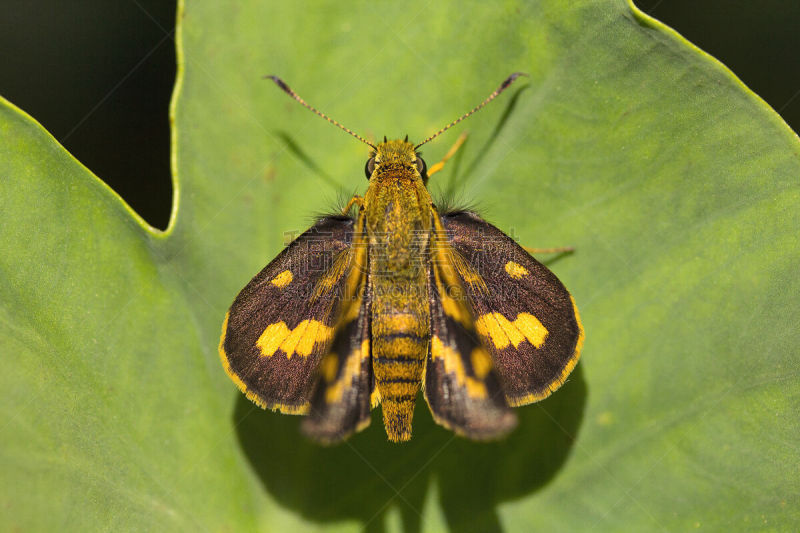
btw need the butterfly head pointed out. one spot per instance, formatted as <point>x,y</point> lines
<point>393,156</point>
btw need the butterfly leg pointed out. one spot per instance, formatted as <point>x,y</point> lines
<point>450,153</point>
<point>560,250</point>
<point>355,200</point>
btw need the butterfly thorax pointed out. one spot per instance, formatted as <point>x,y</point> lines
<point>398,223</point>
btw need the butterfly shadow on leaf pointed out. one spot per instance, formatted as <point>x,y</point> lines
<point>368,478</point>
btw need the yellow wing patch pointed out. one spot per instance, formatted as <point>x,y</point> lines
<point>446,273</point>
<point>351,309</point>
<point>453,365</point>
<point>336,389</point>
<point>300,340</point>
<point>333,275</point>
<point>328,367</point>
<point>515,270</point>
<point>466,271</point>
<point>503,332</point>
<point>251,395</point>
<point>282,279</point>
<point>481,362</point>
<point>454,309</point>
<point>562,377</point>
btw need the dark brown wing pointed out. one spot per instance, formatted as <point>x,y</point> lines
<point>340,403</point>
<point>523,313</point>
<point>282,322</point>
<point>461,386</point>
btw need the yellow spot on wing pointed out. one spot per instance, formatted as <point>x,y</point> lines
<point>481,362</point>
<point>446,273</point>
<point>351,370</point>
<point>515,270</point>
<point>533,330</point>
<point>453,365</point>
<point>271,339</point>
<point>300,340</point>
<point>307,340</point>
<point>351,309</point>
<point>354,285</point>
<point>562,377</point>
<point>467,273</point>
<point>455,309</point>
<point>329,366</point>
<point>282,279</point>
<point>251,395</point>
<point>329,280</point>
<point>503,332</point>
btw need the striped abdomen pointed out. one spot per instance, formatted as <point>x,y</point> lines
<point>400,335</point>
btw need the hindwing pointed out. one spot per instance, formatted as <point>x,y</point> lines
<point>461,386</point>
<point>341,401</point>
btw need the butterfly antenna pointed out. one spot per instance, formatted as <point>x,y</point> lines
<point>280,83</point>
<point>503,86</point>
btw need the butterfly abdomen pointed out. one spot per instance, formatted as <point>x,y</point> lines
<point>399,348</point>
<point>400,310</point>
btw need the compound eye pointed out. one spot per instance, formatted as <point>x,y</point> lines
<point>369,168</point>
<point>421,166</point>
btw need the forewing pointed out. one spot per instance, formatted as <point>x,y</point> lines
<point>461,386</point>
<point>523,313</point>
<point>282,322</point>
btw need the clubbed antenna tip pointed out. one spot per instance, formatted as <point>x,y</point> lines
<point>285,88</point>
<point>279,82</point>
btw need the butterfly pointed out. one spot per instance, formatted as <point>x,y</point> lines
<point>392,296</point>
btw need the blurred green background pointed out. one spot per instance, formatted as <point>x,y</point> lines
<point>98,75</point>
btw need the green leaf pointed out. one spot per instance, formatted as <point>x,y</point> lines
<point>676,184</point>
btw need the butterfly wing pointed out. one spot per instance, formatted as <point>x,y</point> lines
<point>282,322</point>
<point>461,386</point>
<point>341,401</point>
<point>525,316</point>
